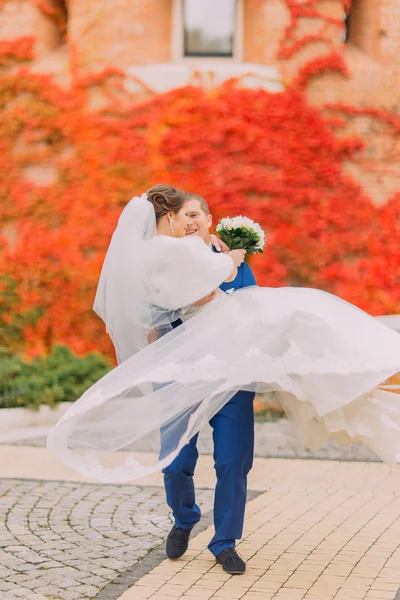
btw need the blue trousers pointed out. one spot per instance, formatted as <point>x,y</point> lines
<point>233,436</point>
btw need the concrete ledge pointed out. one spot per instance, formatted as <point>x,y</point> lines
<point>163,77</point>
<point>13,418</point>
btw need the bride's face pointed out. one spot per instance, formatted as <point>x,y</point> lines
<point>180,222</point>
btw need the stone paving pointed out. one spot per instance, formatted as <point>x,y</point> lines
<point>64,540</point>
<point>323,531</point>
<point>315,529</point>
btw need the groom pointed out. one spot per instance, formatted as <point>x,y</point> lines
<point>233,436</point>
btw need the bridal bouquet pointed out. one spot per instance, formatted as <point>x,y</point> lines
<point>241,233</point>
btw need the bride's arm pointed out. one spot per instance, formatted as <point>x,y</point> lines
<point>233,275</point>
<point>182,271</point>
<point>237,257</point>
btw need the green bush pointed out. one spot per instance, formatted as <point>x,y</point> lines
<point>60,377</point>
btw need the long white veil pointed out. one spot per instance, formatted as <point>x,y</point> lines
<point>121,295</point>
<point>123,291</point>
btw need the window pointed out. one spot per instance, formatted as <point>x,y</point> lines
<point>209,28</point>
<point>347,26</point>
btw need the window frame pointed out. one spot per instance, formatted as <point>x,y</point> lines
<point>178,38</point>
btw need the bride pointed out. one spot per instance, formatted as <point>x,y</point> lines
<point>323,358</point>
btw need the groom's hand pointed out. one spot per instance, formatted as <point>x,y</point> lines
<point>204,300</point>
<point>218,244</point>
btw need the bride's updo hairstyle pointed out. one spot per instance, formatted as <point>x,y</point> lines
<point>165,199</point>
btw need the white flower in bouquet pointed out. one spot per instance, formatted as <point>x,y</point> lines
<point>241,233</point>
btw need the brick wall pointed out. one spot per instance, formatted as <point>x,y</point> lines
<point>140,32</point>
<point>22,18</point>
<point>121,32</point>
<point>263,26</point>
<point>129,32</point>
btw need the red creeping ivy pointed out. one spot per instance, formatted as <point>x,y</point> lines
<point>273,157</point>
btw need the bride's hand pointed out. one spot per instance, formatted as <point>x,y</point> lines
<point>218,244</point>
<point>204,300</point>
<point>238,256</point>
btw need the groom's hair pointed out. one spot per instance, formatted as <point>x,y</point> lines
<point>203,203</point>
<point>165,199</point>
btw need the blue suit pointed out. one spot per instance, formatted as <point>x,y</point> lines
<point>233,436</point>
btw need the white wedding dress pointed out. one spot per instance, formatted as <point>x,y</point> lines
<point>324,359</point>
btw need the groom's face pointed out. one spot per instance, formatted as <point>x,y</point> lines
<point>201,222</point>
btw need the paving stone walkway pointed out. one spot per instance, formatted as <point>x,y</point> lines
<point>315,529</point>
<point>67,541</point>
<point>323,531</point>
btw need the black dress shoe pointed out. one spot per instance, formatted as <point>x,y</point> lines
<point>231,562</point>
<point>177,542</point>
